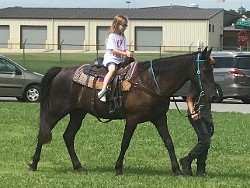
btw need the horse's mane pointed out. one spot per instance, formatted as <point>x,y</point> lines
<point>164,64</point>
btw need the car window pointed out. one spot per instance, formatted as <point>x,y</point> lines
<point>6,67</point>
<point>224,62</point>
<point>243,63</point>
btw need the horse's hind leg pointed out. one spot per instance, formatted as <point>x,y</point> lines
<point>162,128</point>
<point>51,122</point>
<point>36,157</point>
<point>74,125</point>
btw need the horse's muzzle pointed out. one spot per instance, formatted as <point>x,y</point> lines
<point>212,95</point>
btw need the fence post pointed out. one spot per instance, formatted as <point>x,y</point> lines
<point>97,50</point>
<point>60,47</point>
<point>23,46</point>
<point>161,47</point>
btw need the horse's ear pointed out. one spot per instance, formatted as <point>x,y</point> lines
<point>209,51</point>
<point>204,53</point>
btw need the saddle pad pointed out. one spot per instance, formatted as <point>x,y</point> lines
<point>88,81</point>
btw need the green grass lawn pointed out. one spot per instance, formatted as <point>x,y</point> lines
<point>146,163</point>
<point>41,62</point>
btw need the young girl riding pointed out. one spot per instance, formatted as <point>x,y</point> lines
<point>116,51</point>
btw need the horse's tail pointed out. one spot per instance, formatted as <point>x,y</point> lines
<point>45,135</point>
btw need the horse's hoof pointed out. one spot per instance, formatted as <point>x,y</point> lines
<point>32,168</point>
<point>79,169</point>
<point>119,173</point>
<point>178,172</point>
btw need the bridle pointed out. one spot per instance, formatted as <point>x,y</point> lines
<point>202,93</point>
<point>158,94</point>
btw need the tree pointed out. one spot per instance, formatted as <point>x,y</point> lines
<point>241,10</point>
<point>232,11</point>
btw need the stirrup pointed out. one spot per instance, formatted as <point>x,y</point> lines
<point>102,96</point>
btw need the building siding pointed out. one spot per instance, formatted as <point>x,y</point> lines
<point>177,34</point>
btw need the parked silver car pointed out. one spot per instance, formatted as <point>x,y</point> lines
<point>231,76</point>
<point>16,81</point>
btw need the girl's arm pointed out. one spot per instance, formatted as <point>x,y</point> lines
<point>119,52</point>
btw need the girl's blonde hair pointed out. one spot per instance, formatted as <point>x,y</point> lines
<point>118,22</point>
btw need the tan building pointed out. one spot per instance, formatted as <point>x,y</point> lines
<point>166,28</point>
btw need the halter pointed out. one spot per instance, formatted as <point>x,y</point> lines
<point>198,61</point>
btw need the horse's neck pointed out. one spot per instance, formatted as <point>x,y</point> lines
<point>173,81</point>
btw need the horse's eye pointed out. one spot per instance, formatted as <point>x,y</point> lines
<point>206,67</point>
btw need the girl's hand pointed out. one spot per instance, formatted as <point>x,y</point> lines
<point>129,53</point>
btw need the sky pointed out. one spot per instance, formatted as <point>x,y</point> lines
<point>228,4</point>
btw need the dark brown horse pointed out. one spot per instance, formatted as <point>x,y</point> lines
<point>147,100</point>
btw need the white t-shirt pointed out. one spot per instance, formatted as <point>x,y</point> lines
<point>114,41</point>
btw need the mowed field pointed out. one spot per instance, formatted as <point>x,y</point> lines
<point>146,163</point>
<point>41,62</point>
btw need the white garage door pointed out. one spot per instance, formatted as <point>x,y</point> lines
<point>102,35</point>
<point>34,37</point>
<point>71,37</point>
<point>4,36</point>
<point>148,38</point>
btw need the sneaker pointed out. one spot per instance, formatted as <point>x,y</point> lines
<point>102,96</point>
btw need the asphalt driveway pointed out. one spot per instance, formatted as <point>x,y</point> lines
<point>228,105</point>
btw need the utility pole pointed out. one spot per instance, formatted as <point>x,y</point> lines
<point>128,2</point>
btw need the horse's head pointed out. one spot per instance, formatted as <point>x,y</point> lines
<point>204,78</point>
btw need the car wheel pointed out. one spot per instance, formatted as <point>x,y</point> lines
<point>32,94</point>
<point>218,98</point>
<point>246,100</point>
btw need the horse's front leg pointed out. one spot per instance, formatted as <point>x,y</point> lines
<point>129,130</point>
<point>162,128</point>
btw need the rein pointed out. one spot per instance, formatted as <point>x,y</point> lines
<point>159,96</point>
<point>153,75</point>
<point>148,91</point>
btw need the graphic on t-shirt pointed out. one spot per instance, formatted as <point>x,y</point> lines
<point>119,43</point>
